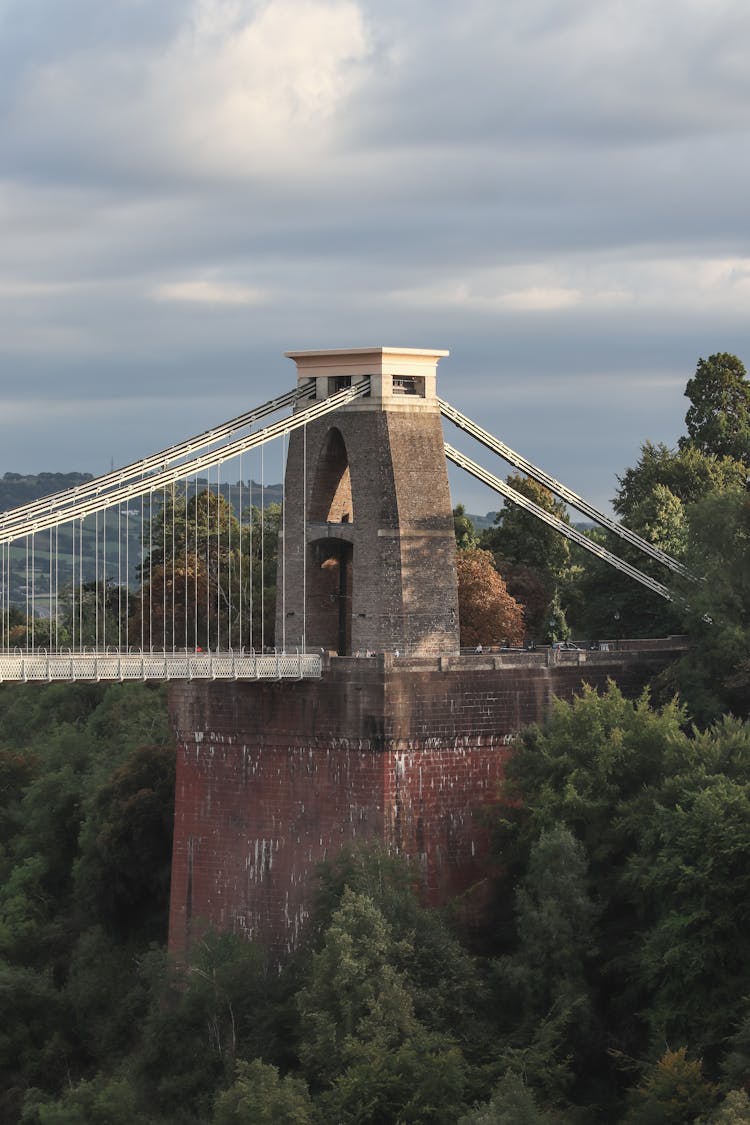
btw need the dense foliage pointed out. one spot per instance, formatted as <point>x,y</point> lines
<point>612,982</point>
<point>86,796</point>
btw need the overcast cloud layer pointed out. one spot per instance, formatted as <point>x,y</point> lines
<point>557,192</point>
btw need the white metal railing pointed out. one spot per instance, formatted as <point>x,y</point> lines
<point>41,667</point>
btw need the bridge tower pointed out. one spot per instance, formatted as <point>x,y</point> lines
<point>399,745</point>
<point>367,558</point>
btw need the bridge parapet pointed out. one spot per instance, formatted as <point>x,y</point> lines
<point>94,666</point>
<point>607,653</point>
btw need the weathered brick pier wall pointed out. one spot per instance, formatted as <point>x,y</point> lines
<point>274,777</point>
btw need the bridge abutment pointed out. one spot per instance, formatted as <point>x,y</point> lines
<point>273,778</point>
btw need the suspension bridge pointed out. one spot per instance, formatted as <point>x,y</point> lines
<point>170,568</point>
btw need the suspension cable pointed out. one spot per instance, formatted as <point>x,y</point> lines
<point>240,630</point>
<point>548,518</point>
<point>570,497</point>
<point>91,625</point>
<point>157,461</point>
<point>282,530</point>
<point>304,539</point>
<point>216,457</point>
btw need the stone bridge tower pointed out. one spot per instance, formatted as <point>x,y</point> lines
<point>367,558</point>
<point>399,749</point>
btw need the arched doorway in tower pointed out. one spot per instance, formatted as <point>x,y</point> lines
<point>330,594</point>
<point>330,569</point>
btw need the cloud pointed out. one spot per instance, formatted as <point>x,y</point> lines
<point>210,293</point>
<point>473,296</point>
<point>556,192</point>
<point>582,72</point>
<point>13,290</point>
<point>241,89</point>
<point>591,283</point>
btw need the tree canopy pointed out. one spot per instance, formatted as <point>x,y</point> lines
<point>532,557</point>
<point>620,923</point>
<point>718,419</point>
<point>487,613</point>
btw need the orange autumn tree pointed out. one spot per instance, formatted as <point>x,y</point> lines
<point>487,613</point>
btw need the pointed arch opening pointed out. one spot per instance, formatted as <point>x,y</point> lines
<point>332,490</point>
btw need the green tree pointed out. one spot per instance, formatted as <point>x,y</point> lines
<point>687,473</point>
<point>549,1021</point>
<point>691,874</point>
<point>191,575</point>
<point>419,1080</point>
<point>356,993</point>
<point>587,768</point>
<point>38,888</point>
<point>122,873</point>
<point>104,998</point>
<point>660,812</point>
<point>532,557</point>
<point>655,499</point>
<point>17,767</point>
<point>512,1103</point>
<point>259,1095</point>
<point>718,419</point>
<point>202,1018</point>
<point>101,1101</point>
<point>714,676</point>
<point>361,1041</point>
<point>260,550</point>
<point>466,534</point>
<point>673,1092</point>
<point>31,1050</point>
<point>446,985</point>
<point>736,1063</point>
<point>734,1110</point>
<point>555,919</point>
<point>69,996</point>
<point>583,766</point>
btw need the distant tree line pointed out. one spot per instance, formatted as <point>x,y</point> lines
<point>17,489</point>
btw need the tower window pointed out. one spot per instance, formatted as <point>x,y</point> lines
<point>339,383</point>
<point>405,385</point>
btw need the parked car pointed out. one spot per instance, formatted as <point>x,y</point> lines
<point>566,646</point>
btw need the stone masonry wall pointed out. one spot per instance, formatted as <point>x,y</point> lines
<point>400,525</point>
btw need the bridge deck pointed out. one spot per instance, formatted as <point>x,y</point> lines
<point>54,667</point>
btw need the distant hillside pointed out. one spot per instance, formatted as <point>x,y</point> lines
<point>481,523</point>
<point>16,489</point>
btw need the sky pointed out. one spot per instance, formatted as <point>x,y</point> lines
<point>556,191</point>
